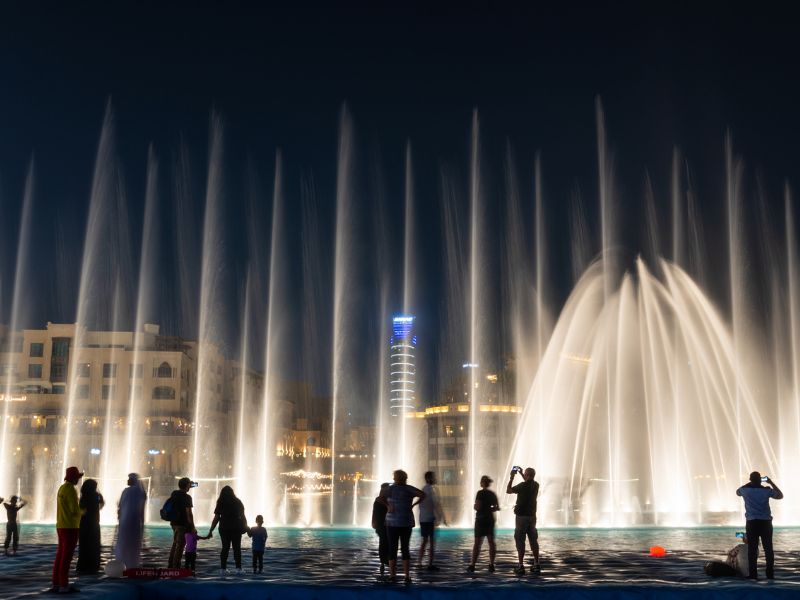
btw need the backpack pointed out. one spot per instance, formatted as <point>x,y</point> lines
<point>168,512</point>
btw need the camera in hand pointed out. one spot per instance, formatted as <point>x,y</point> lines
<point>765,478</point>
<point>516,469</point>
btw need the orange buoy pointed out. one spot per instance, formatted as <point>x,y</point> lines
<point>657,551</point>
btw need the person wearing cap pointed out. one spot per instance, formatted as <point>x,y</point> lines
<point>759,521</point>
<point>131,523</point>
<point>183,521</point>
<point>68,523</point>
<point>12,527</point>
<point>486,504</point>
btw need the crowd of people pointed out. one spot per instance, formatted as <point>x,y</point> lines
<point>78,525</point>
<point>393,521</point>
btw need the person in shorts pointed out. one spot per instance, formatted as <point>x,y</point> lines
<point>525,511</point>
<point>486,504</point>
<point>430,514</point>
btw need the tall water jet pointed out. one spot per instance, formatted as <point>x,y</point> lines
<point>277,308</point>
<point>145,308</point>
<point>408,290</point>
<point>477,314</point>
<point>8,461</point>
<point>243,453</point>
<point>206,441</point>
<point>343,279</point>
<point>105,273</point>
<point>733,182</point>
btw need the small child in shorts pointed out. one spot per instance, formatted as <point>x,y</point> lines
<point>259,536</point>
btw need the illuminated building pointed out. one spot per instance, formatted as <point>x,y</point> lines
<point>402,367</point>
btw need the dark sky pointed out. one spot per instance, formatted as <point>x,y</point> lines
<point>668,73</point>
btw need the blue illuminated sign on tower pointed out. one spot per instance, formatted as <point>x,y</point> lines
<point>402,368</point>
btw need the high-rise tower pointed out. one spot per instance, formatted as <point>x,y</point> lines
<point>403,369</point>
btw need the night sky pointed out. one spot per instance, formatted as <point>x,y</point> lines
<point>669,74</point>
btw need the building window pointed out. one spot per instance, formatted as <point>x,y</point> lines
<point>449,452</point>
<point>59,360</point>
<point>84,369</point>
<point>58,372</point>
<point>34,371</point>
<point>37,349</point>
<point>136,371</point>
<point>109,370</point>
<point>82,392</point>
<point>163,371</point>
<point>448,430</point>
<point>163,392</point>
<point>107,392</point>
<point>59,389</point>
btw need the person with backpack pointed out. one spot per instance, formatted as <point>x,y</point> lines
<point>229,515</point>
<point>178,511</point>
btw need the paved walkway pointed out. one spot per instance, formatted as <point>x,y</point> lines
<point>351,573</point>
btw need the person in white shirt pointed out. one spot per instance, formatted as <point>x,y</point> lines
<point>430,514</point>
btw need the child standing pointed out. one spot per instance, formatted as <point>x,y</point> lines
<point>259,535</point>
<point>191,538</point>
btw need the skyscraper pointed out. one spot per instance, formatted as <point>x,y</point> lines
<point>402,368</point>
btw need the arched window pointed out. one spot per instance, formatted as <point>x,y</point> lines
<point>163,392</point>
<point>164,370</point>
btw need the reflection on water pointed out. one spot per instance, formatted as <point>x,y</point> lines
<point>703,539</point>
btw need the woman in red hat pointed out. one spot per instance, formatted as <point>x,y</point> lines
<point>68,523</point>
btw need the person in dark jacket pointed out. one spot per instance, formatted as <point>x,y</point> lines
<point>379,509</point>
<point>91,503</point>
<point>229,515</point>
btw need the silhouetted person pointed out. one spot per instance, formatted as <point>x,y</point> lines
<point>229,514</point>
<point>379,509</point>
<point>190,549</point>
<point>430,514</point>
<point>400,521</point>
<point>131,523</point>
<point>525,511</point>
<point>12,524</point>
<point>182,521</point>
<point>759,521</point>
<point>91,503</point>
<point>486,504</point>
<point>68,524</point>
<point>259,537</point>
